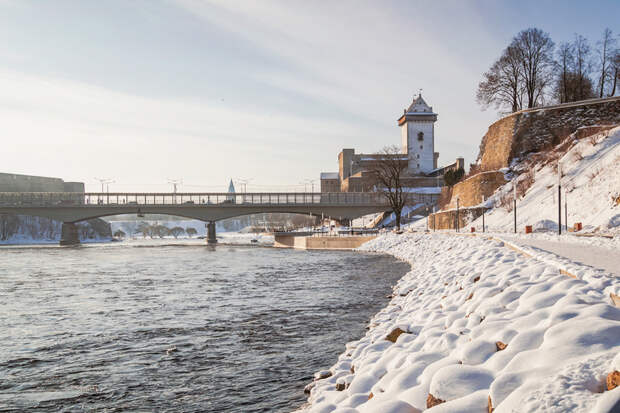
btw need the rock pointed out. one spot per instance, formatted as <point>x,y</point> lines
<point>477,279</point>
<point>352,369</point>
<point>309,387</point>
<point>490,405</point>
<point>394,335</point>
<point>613,380</point>
<point>470,296</point>
<point>340,386</point>
<point>370,396</point>
<point>433,401</point>
<point>500,346</point>
<point>323,374</point>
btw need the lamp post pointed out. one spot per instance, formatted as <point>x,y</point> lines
<point>457,214</point>
<point>514,201</point>
<point>483,209</point>
<point>175,183</point>
<point>559,198</point>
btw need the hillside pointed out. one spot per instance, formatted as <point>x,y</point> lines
<point>590,180</point>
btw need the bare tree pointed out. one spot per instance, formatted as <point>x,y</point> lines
<point>565,65</point>
<point>387,171</point>
<point>615,71</point>
<point>582,68</point>
<point>535,50</point>
<point>502,85</point>
<point>605,52</point>
<point>176,231</point>
<point>190,231</point>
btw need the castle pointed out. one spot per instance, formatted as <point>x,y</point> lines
<point>417,125</point>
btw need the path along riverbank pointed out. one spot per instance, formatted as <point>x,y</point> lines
<point>476,326</point>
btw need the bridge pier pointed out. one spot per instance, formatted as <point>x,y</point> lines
<point>69,234</point>
<point>211,238</point>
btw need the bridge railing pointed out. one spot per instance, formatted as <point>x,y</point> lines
<point>72,199</point>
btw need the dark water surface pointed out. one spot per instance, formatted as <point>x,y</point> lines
<point>155,327</point>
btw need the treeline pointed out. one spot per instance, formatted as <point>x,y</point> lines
<point>531,72</point>
<point>39,228</point>
<point>156,230</point>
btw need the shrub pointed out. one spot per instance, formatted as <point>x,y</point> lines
<point>524,183</point>
<point>451,177</point>
<point>578,155</point>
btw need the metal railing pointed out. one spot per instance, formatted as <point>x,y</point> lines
<point>188,199</point>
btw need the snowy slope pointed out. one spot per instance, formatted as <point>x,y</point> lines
<point>591,185</point>
<point>464,298</point>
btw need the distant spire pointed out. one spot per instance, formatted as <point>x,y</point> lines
<point>231,187</point>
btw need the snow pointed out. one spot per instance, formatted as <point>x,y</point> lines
<point>463,295</point>
<point>590,187</point>
<point>423,190</point>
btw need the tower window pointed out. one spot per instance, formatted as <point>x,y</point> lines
<point>421,147</point>
<point>418,156</point>
<point>420,136</point>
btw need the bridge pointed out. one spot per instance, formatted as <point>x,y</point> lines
<point>73,207</point>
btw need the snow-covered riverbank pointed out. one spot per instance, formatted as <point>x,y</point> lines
<point>474,324</point>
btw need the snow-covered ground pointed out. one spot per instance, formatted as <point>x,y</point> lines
<point>591,187</point>
<point>480,323</point>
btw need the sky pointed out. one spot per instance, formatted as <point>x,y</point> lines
<point>147,91</point>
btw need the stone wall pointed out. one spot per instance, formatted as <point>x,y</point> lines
<point>471,190</point>
<point>534,130</point>
<point>447,219</point>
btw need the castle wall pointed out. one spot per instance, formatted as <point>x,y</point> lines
<point>471,190</point>
<point>533,130</point>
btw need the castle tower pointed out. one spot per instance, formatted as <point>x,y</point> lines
<point>417,125</point>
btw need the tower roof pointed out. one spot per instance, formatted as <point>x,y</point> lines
<point>231,187</point>
<point>418,108</point>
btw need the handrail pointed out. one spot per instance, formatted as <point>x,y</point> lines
<point>188,199</point>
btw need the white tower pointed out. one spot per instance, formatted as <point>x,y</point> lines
<point>417,126</point>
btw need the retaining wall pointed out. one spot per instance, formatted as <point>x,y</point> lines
<point>532,130</point>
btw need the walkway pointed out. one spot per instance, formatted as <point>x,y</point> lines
<point>606,259</point>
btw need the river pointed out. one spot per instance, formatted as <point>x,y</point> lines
<point>178,326</point>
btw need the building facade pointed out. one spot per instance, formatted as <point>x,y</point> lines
<point>30,183</point>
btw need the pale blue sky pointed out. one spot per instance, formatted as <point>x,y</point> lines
<point>205,91</point>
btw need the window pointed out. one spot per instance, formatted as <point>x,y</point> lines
<point>420,136</point>
<point>418,156</point>
<point>421,146</point>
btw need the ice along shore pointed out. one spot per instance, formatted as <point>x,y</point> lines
<point>477,327</point>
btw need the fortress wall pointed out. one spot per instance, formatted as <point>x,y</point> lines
<point>471,190</point>
<point>533,130</point>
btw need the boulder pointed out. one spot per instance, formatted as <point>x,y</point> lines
<point>323,374</point>
<point>433,401</point>
<point>500,346</point>
<point>613,380</point>
<point>394,335</point>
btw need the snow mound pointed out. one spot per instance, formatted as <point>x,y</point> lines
<point>480,324</point>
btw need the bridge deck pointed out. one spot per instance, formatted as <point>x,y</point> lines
<point>222,199</point>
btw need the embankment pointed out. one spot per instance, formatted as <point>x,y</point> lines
<point>320,243</point>
<point>476,326</point>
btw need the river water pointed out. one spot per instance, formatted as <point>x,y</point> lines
<point>160,326</point>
